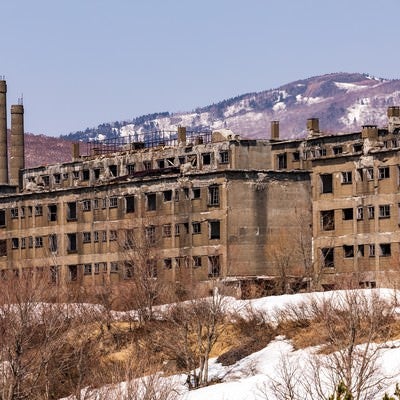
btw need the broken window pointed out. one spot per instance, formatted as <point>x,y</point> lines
<point>384,211</point>
<point>128,270</point>
<point>113,170</point>
<point>97,268</point>
<point>113,201</point>
<point>71,211</point>
<point>385,250</point>
<point>196,193</point>
<point>151,201</point>
<point>38,211</point>
<point>96,172</point>
<point>85,175</point>
<point>129,239</point>
<point>360,213</point>
<point>337,150</point>
<point>357,147</point>
<point>328,220</point>
<point>326,183</point>
<point>104,236</point>
<point>347,213</point>
<point>196,261</point>
<point>371,250</point>
<point>38,241</point>
<point>384,172</point>
<point>53,243</point>
<point>46,180</point>
<point>282,161</point>
<point>114,267</point>
<point>52,212</point>
<point>327,254</point>
<point>95,204</point>
<point>15,243</point>
<point>177,230</point>
<point>86,237</point>
<point>167,263</point>
<point>167,194</point>
<point>71,242</point>
<point>196,227</point>
<point>213,195</point>
<point>161,164</point>
<point>206,158</point>
<point>73,272</point>
<point>2,217</point>
<point>3,248</point>
<point>95,236</point>
<point>87,269</point>
<point>23,243</point>
<point>167,230</point>
<point>296,156</point>
<point>176,194</point>
<point>224,157</point>
<point>53,274</point>
<point>347,177</point>
<point>370,174</point>
<point>360,174</point>
<point>146,165</point>
<point>214,227</point>
<point>113,236</point>
<point>130,204</point>
<point>86,205</point>
<point>360,252</point>
<point>57,178</point>
<point>371,212</point>
<point>152,268</point>
<point>214,266</point>
<point>348,251</point>
<point>150,232</point>
<point>75,175</point>
<point>186,193</point>
<point>14,212</point>
<point>130,169</point>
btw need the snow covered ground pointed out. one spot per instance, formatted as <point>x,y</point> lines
<point>252,377</point>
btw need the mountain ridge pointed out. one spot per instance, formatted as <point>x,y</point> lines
<point>342,101</point>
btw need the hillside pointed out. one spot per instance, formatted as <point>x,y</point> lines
<point>342,101</point>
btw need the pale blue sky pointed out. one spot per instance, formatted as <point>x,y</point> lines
<point>79,63</point>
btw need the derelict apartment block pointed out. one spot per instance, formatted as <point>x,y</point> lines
<point>322,210</point>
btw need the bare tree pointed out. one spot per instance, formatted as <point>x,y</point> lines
<point>193,328</point>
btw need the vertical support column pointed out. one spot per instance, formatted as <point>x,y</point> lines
<point>3,134</point>
<point>17,159</point>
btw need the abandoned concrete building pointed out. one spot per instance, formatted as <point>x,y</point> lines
<point>201,206</point>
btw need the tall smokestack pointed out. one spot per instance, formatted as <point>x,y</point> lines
<point>3,133</point>
<point>275,130</point>
<point>17,161</point>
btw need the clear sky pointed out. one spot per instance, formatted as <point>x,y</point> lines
<point>79,63</point>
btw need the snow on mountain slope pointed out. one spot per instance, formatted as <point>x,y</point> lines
<point>343,102</point>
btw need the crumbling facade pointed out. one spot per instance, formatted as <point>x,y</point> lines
<point>355,199</point>
<point>199,206</point>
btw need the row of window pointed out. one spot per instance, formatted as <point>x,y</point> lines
<point>112,202</point>
<point>328,216</point>
<point>130,169</point>
<point>97,236</point>
<point>128,269</point>
<point>326,180</point>
<point>350,251</point>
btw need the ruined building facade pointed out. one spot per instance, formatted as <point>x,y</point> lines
<point>203,206</point>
